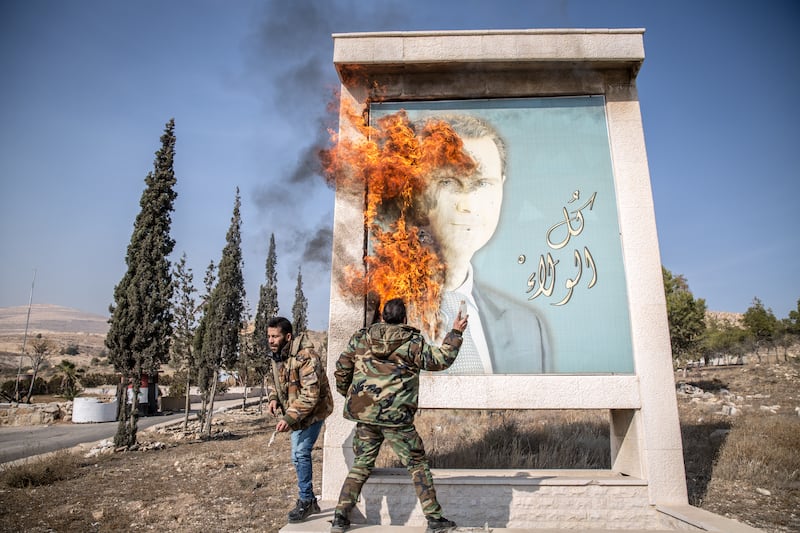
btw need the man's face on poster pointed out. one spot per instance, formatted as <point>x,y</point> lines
<point>465,209</point>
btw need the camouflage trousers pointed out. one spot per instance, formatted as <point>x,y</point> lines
<point>407,445</point>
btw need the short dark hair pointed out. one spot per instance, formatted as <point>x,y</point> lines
<point>280,322</point>
<point>394,312</point>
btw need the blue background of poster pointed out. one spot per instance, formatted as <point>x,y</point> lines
<point>556,146</point>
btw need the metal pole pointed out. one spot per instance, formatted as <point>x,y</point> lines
<point>24,338</point>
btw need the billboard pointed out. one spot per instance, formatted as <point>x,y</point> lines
<point>528,236</point>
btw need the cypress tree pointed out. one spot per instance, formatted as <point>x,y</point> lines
<point>202,371</point>
<point>248,359</point>
<point>300,307</point>
<point>185,323</point>
<point>267,301</point>
<point>218,345</point>
<point>138,339</point>
<point>185,311</point>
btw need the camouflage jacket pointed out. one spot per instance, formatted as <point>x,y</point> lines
<point>299,384</point>
<point>378,372</point>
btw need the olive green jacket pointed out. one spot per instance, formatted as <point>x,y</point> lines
<point>378,372</point>
<point>299,384</point>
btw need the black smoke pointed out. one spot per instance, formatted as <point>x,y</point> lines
<point>290,61</point>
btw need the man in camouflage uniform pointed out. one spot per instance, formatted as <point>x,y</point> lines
<point>301,391</point>
<point>378,373</point>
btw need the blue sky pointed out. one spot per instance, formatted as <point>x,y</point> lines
<point>89,85</point>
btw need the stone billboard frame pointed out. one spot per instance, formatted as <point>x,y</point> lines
<point>413,66</point>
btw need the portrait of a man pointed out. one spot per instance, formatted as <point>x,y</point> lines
<point>528,235</point>
<point>461,212</point>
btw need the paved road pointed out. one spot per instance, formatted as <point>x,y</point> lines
<point>19,442</point>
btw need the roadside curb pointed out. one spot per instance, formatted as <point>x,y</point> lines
<point>86,446</point>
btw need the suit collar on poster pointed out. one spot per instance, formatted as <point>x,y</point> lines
<point>475,326</point>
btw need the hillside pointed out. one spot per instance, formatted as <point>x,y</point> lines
<point>46,318</point>
<point>63,326</point>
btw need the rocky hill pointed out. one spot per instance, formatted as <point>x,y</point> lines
<point>734,319</point>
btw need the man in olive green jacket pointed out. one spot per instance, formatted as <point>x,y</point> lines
<point>301,391</point>
<point>378,373</point>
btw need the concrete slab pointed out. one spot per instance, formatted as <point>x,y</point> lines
<point>321,523</point>
<point>687,518</point>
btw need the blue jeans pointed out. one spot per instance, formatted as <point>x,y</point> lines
<point>302,442</point>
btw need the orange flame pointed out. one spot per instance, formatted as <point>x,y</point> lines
<point>392,162</point>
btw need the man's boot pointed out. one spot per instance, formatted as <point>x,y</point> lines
<point>302,510</point>
<point>340,523</point>
<point>438,525</point>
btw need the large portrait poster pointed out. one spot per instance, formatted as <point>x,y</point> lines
<point>529,235</point>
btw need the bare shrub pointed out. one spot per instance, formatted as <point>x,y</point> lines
<point>98,379</point>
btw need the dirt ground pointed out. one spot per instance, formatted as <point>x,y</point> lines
<point>238,482</point>
<point>234,482</point>
<point>767,395</point>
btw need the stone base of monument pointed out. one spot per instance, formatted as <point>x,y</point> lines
<point>511,501</point>
<point>514,499</point>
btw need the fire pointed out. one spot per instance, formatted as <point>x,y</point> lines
<point>391,161</point>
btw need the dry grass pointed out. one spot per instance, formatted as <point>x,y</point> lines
<point>757,473</point>
<point>764,450</point>
<point>745,466</point>
<point>490,439</point>
<point>42,471</point>
<point>700,451</point>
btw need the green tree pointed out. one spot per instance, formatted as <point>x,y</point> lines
<point>722,339</point>
<point>793,321</point>
<point>248,364</point>
<point>783,338</point>
<point>141,319</point>
<point>266,309</point>
<point>788,332</point>
<point>70,379</point>
<point>202,372</point>
<point>217,345</point>
<point>300,307</point>
<point>761,324</point>
<point>185,312</point>
<point>267,301</point>
<point>686,316</point>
